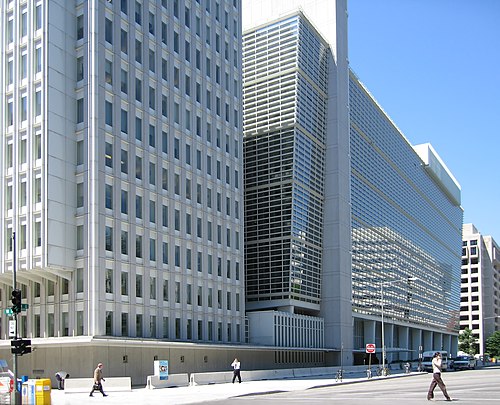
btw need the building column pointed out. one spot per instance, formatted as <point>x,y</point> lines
<point>417,345</point>
<point>428,341</point>
<point>438,341</point>
<point>369,331</point>
<point>404,338</point>
<point>389,341</point>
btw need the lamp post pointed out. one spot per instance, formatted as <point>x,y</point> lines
<point>384,372</point>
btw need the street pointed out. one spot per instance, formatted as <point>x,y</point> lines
<point>466,387</point>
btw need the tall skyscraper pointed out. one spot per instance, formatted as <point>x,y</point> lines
<point>122,171</point>
<point>480,294</point>
<point>338,203</point>
<point>297,213</point>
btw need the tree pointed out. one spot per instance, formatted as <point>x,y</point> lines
<point>467,342</point>
<point>493,344</point>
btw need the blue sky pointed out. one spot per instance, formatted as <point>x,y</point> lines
<point>434,67</point>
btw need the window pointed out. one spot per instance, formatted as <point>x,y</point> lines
<point>124,121</point>
<point>79,237</point>
<point>79,195</point>
<point>109,281</point>
<point>79,68</point>
<point>79,23</point>
<point>124,41</point>
<point>108,31</point>
<point>138,128</point>
<point>79,111</point>
<point>152,98</point>
<point>138,167</point>
<point>152,173</point>
<point>164,142</point>
<point>138,246</point>
<point>152,250</point>
<point>124,81</point>
<point>109,113</point>
<point>124,283</point>
<point>108,72</point>
<point>152,60</point>
<point>108,155</point>
<point>124,243</point>
<point>152,212</point>
<point>165,253</point>
<point>109,239</point>
<point>138,51</point>
<point>109,196</point>
<point>138,207</point>
<point>124,202</point>
<point>138,13</point>
<point>151,23</point>
<point>138,90</point>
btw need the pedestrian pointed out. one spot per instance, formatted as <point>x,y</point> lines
<point>97,381</point>
<point>236,365</point>
<point>60,377</point>
<point>436,378</point>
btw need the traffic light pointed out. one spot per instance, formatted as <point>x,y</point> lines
<point>20,346</point>
<point>16,301</point>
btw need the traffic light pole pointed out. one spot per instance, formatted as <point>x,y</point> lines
<point>17,394</point>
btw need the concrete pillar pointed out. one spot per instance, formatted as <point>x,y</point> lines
<point>389,340</point>
<point>404,337</point>
<point>428,341</point>
<point>417,345</point>
<point>369,331</point>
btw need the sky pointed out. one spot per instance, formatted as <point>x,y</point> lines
<point>434,67</point>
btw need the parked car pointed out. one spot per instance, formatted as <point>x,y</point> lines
<point>464,363</point>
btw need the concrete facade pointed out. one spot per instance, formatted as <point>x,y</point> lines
<point>480,293</point>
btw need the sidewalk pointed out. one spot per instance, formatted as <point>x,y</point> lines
<point>200,393</point>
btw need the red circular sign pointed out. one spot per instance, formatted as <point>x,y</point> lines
<point>370,348</point>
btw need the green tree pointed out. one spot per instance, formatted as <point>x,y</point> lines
<point>493,344</point>
<point>467,342</point>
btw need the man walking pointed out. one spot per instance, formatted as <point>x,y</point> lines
<point>97,381</point>
<point>436,378</point>
<point>236,370</point>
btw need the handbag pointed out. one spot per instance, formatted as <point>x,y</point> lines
<point>97,386</point>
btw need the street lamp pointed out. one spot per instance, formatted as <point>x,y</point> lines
<point>384,372</point>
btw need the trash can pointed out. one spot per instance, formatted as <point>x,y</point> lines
<point>42,391</point>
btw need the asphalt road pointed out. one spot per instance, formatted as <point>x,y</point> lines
<point>474,387</point>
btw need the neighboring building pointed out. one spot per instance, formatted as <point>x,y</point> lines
<point>122,178</point>
<point>403,202</point>
<point>480,295</point>
<point>297,213</point>
<point>406,223</point>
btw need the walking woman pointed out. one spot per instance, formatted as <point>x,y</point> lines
<point>436,377</point>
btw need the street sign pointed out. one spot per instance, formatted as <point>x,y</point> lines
<point>370,348</point>
<point>8,311</point>
<point>12,328</point>
<point>24,307</point>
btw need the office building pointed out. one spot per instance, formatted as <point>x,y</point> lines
<point>406,233</point>
<point>480,294</point>
<point>317,181</point>
<point>297,174</point>
<point>122,179</point>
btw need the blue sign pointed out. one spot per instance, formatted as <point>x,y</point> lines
<point>161,369</point>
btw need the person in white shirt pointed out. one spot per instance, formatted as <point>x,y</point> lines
<point>436,377</point>
<point>236,365</point>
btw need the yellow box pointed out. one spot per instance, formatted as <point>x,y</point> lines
<point>42,391</point>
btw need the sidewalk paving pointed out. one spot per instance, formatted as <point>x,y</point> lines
<point>212,392</point>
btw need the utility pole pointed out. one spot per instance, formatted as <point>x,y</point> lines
<point>17,394</point>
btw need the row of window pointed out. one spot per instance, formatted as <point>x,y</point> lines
<point>205,330</point>
<point>35,106</point>
<point>154,210</point>
<point>153,243</point>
